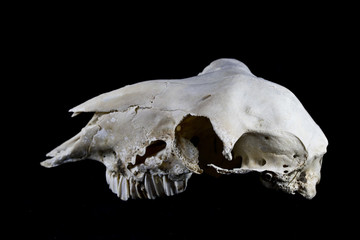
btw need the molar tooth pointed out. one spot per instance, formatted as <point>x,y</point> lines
<point>149,187</point>
<point>132,187</point>
<point>158,185</point>
<point>139,190</point>
<point>167,186</point>
<point>179,186</point>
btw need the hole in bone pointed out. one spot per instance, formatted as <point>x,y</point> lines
<point>151,150</point>
<point>199,131</point>
<point>195,140</point>
<point>107,154</point>
<point>238,160</point>
<point>267,176</point>
<point>253,146</point>
<point>262,162</point>
<point>302,177</point>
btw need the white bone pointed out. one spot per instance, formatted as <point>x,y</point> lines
<point>153,135</point>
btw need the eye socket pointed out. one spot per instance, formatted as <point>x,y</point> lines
<point>267,176</point>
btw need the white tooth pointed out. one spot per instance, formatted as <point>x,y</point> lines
<point>110,181</point>
<point>107,176</point>
<point>146,186</point>
<point>179,186</point>
<point>113,183</point>
<point>138,189</point>
<point>124,193</point>
<point>158,184</point>
<point>149,187</point>
<point>187,177</point>
<point>167,186</point>
<point>185,183</point>
<point>119,189</point>
<point>132,187</point>
<point>118,181</point>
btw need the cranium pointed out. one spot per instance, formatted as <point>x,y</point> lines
<point>152,136</point>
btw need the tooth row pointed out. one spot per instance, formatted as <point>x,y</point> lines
<point>151,187</point>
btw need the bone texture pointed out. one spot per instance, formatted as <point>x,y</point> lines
<point>153,135</point>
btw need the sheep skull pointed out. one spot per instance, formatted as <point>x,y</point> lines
<point>152,136</point>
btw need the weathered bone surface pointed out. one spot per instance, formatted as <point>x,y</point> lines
<point>152,136</point>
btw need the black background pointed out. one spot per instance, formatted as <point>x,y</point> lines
<point>61,57</point>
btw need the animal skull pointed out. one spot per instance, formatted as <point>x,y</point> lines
<point>152,136</point>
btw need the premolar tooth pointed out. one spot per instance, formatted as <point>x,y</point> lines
<point>109,181</point>
<point>124,193</point>
<point>113,182</point>
<point>108,177</point>
<point>118,181</point>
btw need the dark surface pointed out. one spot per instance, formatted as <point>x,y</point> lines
<point>68,60</point>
